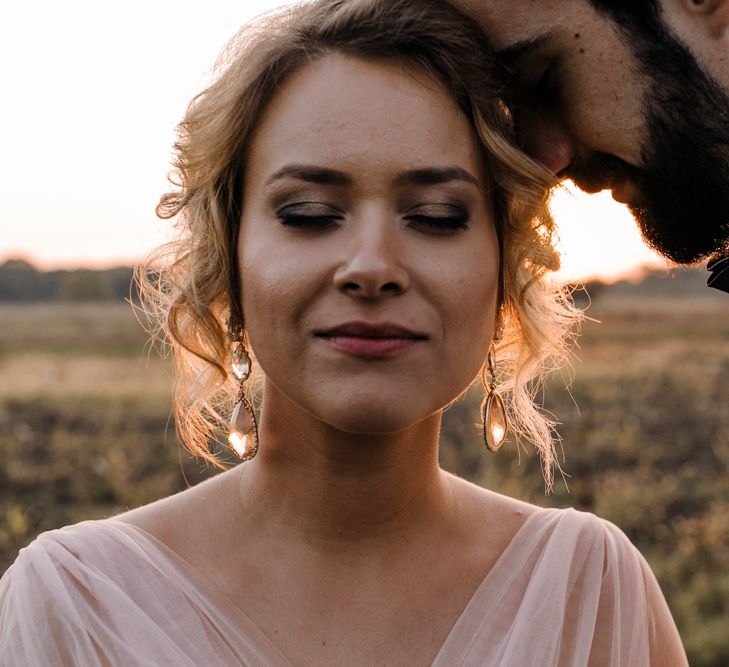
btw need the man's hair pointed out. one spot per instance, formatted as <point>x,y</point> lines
<point>687,123</point>
<point>642,16</point>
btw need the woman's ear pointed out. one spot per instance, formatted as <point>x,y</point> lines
<point>714,14</point>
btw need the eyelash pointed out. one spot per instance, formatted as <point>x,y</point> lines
<point>321,221</point>
<point>439,224</point>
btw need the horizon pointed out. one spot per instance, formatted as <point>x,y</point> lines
<point>634,275</point>
<point>79,183</point>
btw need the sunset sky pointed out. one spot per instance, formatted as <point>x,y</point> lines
<point>91,94</point>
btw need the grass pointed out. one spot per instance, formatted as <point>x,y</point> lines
<point>85,433</point>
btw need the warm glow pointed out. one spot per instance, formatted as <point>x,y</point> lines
<point>238,442</point>
<point>497,433</point>
<point>598,236</point>
<point>92,94</point>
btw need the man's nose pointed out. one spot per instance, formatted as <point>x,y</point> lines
<point>545,138</point>
<point>372,263</point>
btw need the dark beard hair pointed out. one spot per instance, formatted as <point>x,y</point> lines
<point>682,206</point>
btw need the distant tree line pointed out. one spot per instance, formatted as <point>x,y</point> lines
<point>21,281</point>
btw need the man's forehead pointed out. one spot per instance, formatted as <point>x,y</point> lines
<point>511,22</point>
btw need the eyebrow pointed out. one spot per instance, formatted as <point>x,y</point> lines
<point>311,174</point>
<point>324,176</point>
<point>435,176</point>
<point>515,52</point>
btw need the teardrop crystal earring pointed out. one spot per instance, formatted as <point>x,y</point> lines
<point>493,410</point>
<point>243,430</point>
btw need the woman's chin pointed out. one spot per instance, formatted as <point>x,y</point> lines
<point>375,419</point>
<point>357,407</point>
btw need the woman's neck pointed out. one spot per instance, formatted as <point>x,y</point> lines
<point>331,489</point>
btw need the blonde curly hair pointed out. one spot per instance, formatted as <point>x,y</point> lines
<point>190,287</point>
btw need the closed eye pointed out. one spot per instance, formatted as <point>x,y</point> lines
<point>307,220</point>
<point>308,215</point>
<point>548,89</point>
<point>439,219</point>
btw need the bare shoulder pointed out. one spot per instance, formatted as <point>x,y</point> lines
<point>174,518</point>
<point>479,499</point>
<point>492,518</point>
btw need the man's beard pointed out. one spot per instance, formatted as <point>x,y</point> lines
<point>682,186</point>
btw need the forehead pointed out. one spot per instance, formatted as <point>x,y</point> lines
<point>522,22</point>
<point>362,114</point>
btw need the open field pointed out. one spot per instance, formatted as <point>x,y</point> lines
<point>85,433</point>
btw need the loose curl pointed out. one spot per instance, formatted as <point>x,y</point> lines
<point>190,287</point>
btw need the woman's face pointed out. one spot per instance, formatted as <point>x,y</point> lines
<point>368,253</point>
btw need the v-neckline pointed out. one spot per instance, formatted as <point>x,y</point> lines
<point>454,642</point>
<point>255,635</point>
<point>227,606</point>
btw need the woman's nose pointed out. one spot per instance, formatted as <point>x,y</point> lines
<point>372,265</point>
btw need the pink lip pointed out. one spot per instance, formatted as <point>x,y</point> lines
<point>367,339</point>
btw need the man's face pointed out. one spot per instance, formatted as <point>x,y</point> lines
<point>611,106</point>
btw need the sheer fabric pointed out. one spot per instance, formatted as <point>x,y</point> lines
<point>569,590</point>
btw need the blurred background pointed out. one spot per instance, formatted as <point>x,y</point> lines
<point>93,94</point>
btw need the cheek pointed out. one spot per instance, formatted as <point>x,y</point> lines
<point>470,306</point>
<point>260,284</point>
<point>477,307</point>
<point>265,289</point>
<point>281,281</point>
<point>264,264</point>
<point>605,114</point>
